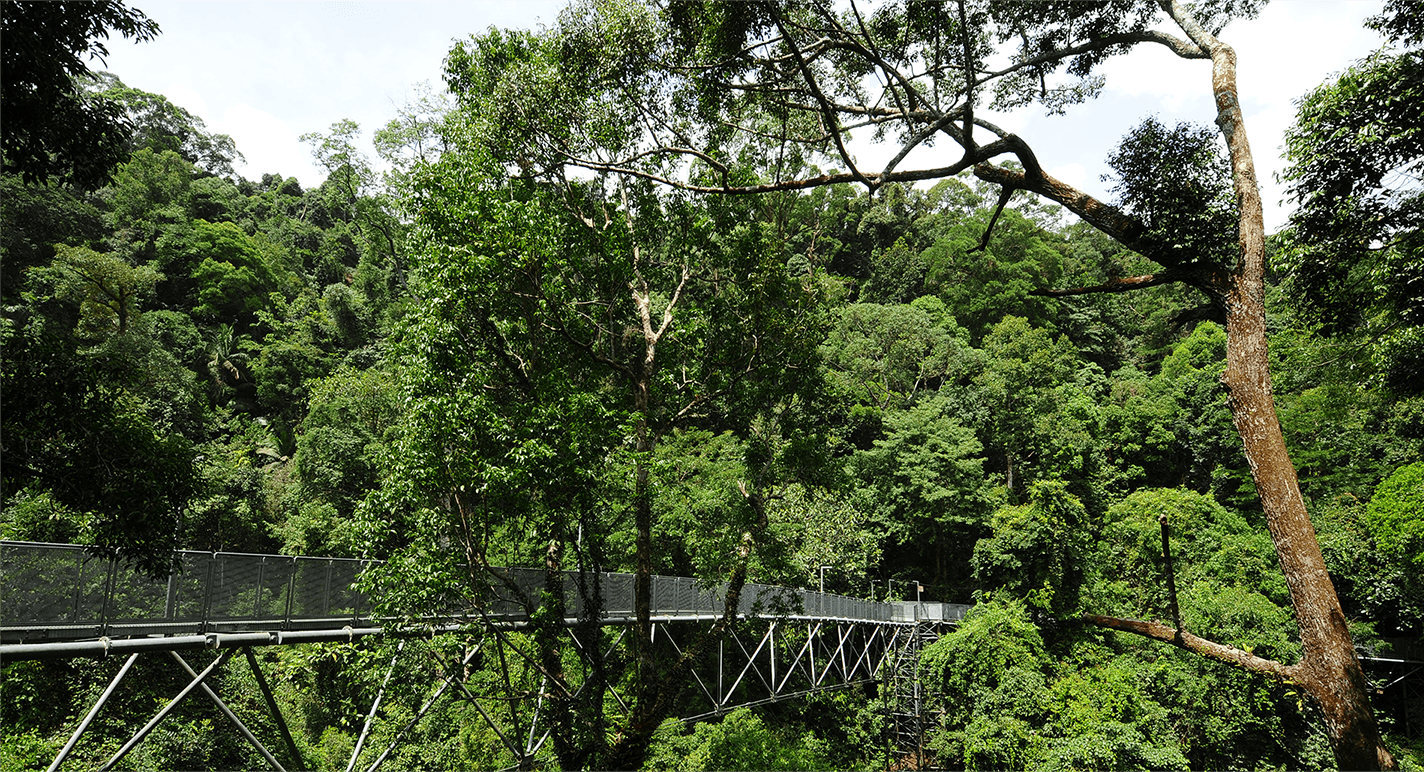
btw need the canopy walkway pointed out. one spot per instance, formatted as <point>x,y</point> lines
<point>57,600</point>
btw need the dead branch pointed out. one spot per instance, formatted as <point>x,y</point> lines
<point>1185,640</point>
<point>1116,285</point>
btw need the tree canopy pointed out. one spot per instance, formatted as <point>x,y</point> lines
<point>621,300</point>
<point>53,128</point>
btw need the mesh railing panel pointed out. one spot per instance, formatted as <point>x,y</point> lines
<point>190,585</point>
<point>618,594</point>
<point>311,588</point>
<point>51,584</point>
<point>233,587</point>
<point>135,597</point>
<point>60,587</point>
<point>686,594</point>
<point>345,600</point>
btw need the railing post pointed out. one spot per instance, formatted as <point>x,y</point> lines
<point>257,595</point>
<point>78,590</point>
<point>170,605</point>
<point>291,590</point>
<point>108,596</point>
<point>208,591</point>
<point>356,602</point>
<point>326,591</point>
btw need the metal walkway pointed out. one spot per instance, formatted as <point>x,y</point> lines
<point>57,601</point>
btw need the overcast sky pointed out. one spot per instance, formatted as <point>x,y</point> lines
<point>267,72</point>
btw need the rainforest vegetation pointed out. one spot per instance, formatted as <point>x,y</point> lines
<point>590,312</point>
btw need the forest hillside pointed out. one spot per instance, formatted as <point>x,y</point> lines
<point>464,354</point>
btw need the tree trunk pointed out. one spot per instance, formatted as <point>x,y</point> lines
<point>1329,669</point>
<point>643,546</point>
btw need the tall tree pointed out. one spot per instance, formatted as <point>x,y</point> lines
<point>52,128</point>
<point>160,125</point>
<point>589,321</point>
<point>713,85</point>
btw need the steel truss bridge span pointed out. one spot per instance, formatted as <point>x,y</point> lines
<point>59,601</point>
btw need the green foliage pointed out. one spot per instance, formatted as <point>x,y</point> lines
<point>109,290</point>
<point>1023,370</point>
<point>1376,549</point>
<point>897,275</point>
<point>696,494</point>
<point>1396,515</point>
<point>52,128</point>
<point>1139,428</point>
<point>159,125</point>
<point>350,416</point>
<point>462,374</point>
<point>740,741</point>
<point>25,750</point>
<point>826,530</point>
<point>37,516</point>
<point>1177,181</point>
<point>1036,551</point>
<point>924,483</point>
<point>982,286</point>
<point>35,219</point>
<point>1013,695</point>
<point>234,277</point>
<point>69,428</point>
<point>994,662</point>
<point>1354,244</point>
<point>150,191</point>
<point>886,356</point>
<point>1339,432</point>
<point>1213,460</point>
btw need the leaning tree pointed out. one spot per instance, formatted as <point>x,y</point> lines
<point>741,98</point>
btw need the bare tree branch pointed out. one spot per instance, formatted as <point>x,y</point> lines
<point>1185,640</point>
<point>833,122</point>
<point>1119,225</point>
<point>1182,48</point>
<point>1117,285</point>
<point>1005,193</point>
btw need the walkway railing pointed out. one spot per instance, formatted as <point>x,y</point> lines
<point>59,592</point>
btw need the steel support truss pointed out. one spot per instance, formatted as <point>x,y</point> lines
<point>906,693</point>
<point>198,682</point>
<point>1399,686</point>
<point>758,661</point>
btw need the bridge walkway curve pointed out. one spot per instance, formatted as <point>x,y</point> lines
<point>59,601</point>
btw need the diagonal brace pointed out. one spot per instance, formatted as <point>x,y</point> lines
<point>296,756</point>
<point>162,714</point>
<point>226,711</point>
<point>94,711</point>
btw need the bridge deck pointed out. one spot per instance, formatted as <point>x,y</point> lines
<point>58,600</point>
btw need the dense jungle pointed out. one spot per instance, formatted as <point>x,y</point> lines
<point>614,298</point>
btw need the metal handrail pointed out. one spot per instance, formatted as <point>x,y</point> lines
<point>44,596</point>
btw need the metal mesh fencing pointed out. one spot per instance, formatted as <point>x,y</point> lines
<point>58,591</point>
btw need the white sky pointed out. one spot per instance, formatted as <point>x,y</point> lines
<point>267,72</point>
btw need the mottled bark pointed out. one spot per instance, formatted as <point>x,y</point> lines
<point>1328,669</point>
